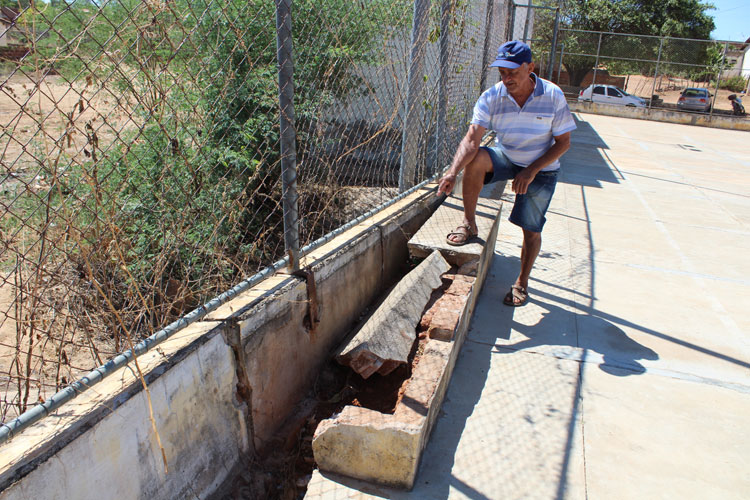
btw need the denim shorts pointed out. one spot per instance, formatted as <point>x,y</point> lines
<point>529,208</point>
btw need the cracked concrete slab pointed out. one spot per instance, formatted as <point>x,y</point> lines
<point>385,340</point>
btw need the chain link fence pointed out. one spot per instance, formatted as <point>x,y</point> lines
<point>656,69</point>
<point>143,146</point>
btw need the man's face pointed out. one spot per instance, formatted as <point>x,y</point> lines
<point>514,78</point>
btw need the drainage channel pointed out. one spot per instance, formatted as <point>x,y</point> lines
<point>284,470</point>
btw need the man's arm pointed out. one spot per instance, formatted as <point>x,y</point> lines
<point>523,179</point>
<point>465,153</point>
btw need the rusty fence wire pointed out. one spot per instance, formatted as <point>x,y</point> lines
<point>142,153</point>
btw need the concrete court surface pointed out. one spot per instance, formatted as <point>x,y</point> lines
<point>627,375</point>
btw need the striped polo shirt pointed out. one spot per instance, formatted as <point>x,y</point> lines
<point>525,134</point>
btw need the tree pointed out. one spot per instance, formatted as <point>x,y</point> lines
<point>667,18</point>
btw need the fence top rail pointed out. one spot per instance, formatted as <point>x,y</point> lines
<point>655,36</point>
<point>660,61</point>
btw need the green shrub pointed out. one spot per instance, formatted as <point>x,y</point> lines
<point>735,83</point>
<point>191,192</point>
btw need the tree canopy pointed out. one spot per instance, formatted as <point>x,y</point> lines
<point>675,18</point>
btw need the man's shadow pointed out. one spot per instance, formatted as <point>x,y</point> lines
<point>497,329</point>
<point>575,333</point>
<point>566,328</point>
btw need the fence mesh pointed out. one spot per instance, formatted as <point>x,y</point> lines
<point>141,154</point>
<point>656,69</point>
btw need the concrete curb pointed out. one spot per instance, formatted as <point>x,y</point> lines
<point>662,115</point>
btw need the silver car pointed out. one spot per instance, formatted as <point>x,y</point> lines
<point>695,99</point>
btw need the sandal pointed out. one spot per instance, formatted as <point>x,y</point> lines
<point>516,297</point>
<point>464,231</point>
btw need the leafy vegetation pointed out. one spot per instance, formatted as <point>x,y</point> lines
<point>735,83</point>
<point>191,193</point>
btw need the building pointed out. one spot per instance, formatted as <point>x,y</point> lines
<point>737,59</point>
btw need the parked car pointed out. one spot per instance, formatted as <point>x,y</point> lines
<point>609,94</point>
<point>694,99</point>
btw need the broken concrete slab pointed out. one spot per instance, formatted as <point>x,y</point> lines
<point>385,340</point>
<point>445,319</point>
<point>382,448</point>
<point>386,449</point>
<point>458,284</point>
<point>432,235</point>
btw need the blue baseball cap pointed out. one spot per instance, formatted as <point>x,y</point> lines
<point>512,55</point>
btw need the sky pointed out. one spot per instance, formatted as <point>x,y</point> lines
<point>732,19</point>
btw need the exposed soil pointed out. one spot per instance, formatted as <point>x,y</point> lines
<point>36,110</point>
<point>7,332</point>
<point>37,360</point>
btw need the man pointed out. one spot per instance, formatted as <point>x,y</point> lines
<point>532,123</point>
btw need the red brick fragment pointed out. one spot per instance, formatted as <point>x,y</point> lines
<point>460,285</point>
<point>446,317</point>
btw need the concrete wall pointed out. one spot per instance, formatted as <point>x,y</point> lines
<point>218,388</point>
<point>661,115</point>
<point>350,273</point>
<point>101,445</point>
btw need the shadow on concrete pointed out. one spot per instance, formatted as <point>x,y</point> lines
<point>582,331</point>
<point>624,322</point>
<point>566,325</point>
<point>586,163</point>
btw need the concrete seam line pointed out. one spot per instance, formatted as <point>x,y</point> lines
<point>33,415</point>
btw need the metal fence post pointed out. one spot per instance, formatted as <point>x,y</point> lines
<point>656,73</point>
<point>526,22</point>
<point>441,129</point>
<point>596,64</point>
<point>288,145</point>
<point>554,43</point>
<point>718,78</point>
<point>413,110</point>
<point>486,49</point>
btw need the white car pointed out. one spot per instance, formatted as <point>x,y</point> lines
<point>609,94</point>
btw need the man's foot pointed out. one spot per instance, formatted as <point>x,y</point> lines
<point>461,235</point>
<point>517,296</point>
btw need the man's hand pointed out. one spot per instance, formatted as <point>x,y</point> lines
<point>447,183</point>
<point>465,153</point>
<point>521,181</point>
